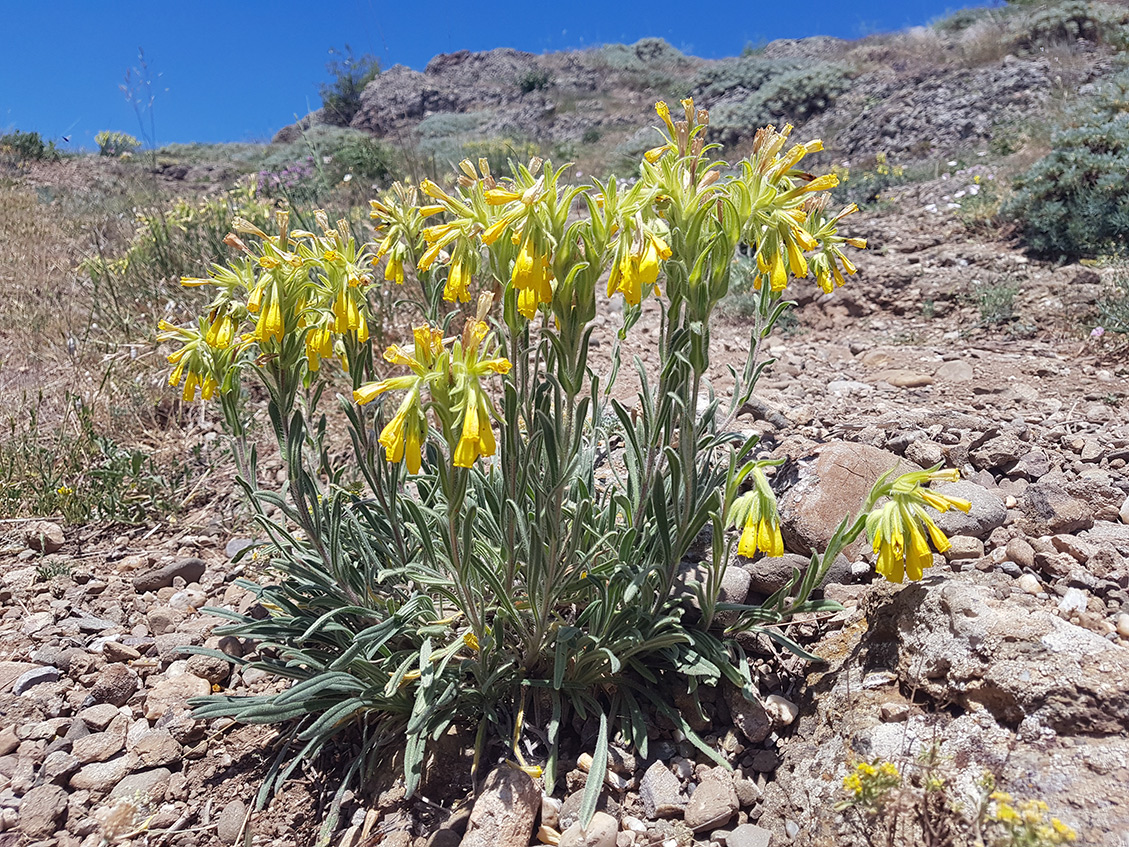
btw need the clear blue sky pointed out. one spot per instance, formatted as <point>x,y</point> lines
<point>239,70</point>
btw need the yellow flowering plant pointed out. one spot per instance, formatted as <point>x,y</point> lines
<point>505,531</point>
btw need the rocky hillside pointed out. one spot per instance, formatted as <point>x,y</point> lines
<point>980,77</point>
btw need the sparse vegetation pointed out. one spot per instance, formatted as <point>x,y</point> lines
<point>115,143</point>
<point>793,96</point>
<point>27,147</point>
<point>341,97</point>
<point>1113,307</point>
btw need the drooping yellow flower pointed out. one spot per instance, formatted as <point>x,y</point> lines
<point>319,345</point>
<point>221,332</point>
<point>532,278</point>
<point>457,288</point>
<point>346,315</point>
<point>756,512</point>
<point>270,325</point>
<point>477,437</point>
<point>403,436</point>
<point>394,270</point>
<point>901,530</point>
<point>639,268</point>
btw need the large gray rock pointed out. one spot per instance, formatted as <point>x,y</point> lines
<point>962,643</point>
<point>661,792</point>
<point>987,512</point>
<point>831,484</point>
<point>401,94</point>
<point>503,813</point>
<point>1040,703</point>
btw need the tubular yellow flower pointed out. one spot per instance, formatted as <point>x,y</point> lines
<point>796,261</point>
<point>270,325</point>
<point>394,270</point>
<point>901,531</point>
<point>345,313</point>
<point>433,191</point>
<point>779,274</point>
<point>532,279</point>
<point>501,196</point>
<point>319,345</point>
<point>221,332</point>
<point>756,511</point>
<point>663,112</point>
<point>190,384</point>
<point>458,284</point>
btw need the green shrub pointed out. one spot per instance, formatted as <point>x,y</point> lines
<point>747,72</point>
<point>1067,22</point>
<point>1075,201</point>
<point>649,64</point>
<point>865,184</point>
<point>341,98</point>
<point>115,143</point>
<point>793,95</point>
<point>28,146</point>
<point>1113,306</point>
<point>534,80</point>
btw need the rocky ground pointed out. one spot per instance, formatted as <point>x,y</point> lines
<point>1010,658</point>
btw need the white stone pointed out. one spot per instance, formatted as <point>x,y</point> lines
<point>1124,513</point>
<point>1073,601</point>
<point>1123,625</point>
<point>1029,583</point>
<point>781,710</point>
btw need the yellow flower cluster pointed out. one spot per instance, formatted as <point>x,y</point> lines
<point>900,531</point>
<point>302,294</point>
<point>756,513</point>
<point>450,379</point>
<point>1027,822</point>
<point>869,783</point>
<point>546,259</point>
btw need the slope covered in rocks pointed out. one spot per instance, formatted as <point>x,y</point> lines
<point>951,346</point>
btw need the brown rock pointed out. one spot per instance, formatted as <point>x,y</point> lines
<point>44,537</point>
<point>157,747</point>
<point>503,813</point>
<point>190,570</point>
<point>116,684</point>
<point>902,378</point>
<point>174,693</point>
<point>712,804</point>
<point>42,811</point>
<point>1048,509</point>
<point>832,484</point>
